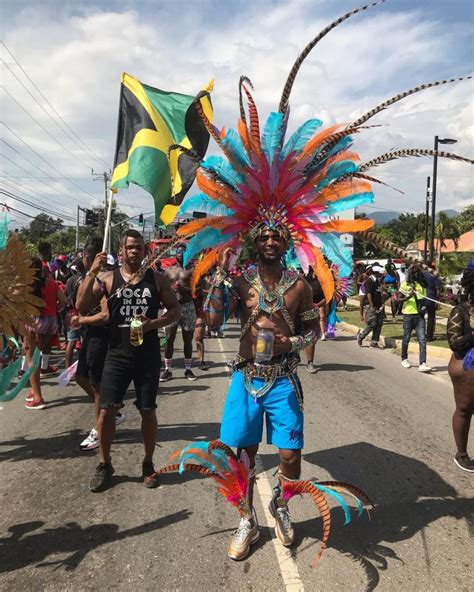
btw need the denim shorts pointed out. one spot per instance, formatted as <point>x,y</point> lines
<point>242,419</point>
<point>74,334</point>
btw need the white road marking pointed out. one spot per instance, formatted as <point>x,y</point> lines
<point>288,566</point>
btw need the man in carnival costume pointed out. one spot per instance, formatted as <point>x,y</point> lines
<point>279,303</point>
<point>276,194</point>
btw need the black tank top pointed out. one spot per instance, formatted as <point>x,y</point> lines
<point>133,301</point>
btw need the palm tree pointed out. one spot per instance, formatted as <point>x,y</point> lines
<point>446,229</point>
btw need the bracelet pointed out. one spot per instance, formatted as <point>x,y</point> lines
<point>296,343</point>
<point>92,274</point>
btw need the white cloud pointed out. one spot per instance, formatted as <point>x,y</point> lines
<point>76,59</point>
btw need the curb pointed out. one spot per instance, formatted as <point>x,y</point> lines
<point>389,342</point>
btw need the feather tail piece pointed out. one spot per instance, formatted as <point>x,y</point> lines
<point>318,490</point>
<point>215,459</point>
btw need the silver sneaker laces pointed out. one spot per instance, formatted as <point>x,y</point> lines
<point>243,531</point>
<point>284,516</point>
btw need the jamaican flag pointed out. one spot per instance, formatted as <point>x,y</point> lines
<point>150,121</point>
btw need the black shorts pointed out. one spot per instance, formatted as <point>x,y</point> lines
<point>119,371</point>
<point>92,357</point>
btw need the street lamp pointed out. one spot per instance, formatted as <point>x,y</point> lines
<point>427,219</point>
<point>437,141</point>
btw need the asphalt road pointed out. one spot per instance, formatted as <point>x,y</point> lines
<point>368,421</point>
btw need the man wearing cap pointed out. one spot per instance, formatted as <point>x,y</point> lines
<point>373,307</point>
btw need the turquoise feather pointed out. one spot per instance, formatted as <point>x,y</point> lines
<point>302,135</point>
<point>272,135</point>
<point>337,170</point>
<point>203,203</point>
<point>204,463</point>
<point>336,251</point>
<point>319,161</point>
<point>233,143</point>
<point>338,497</point>
<point>205,239</point>
<point>347,203</point>
<point>222,167</point>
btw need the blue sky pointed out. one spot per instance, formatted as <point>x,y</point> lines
<point>75,52</point>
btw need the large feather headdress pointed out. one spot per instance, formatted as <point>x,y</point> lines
<point>298,186</point>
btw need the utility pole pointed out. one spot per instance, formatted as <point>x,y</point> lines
<point>77,227</point>
<point>79,209</point>
<point>105,177</point>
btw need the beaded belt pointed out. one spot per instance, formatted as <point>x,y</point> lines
<point>269,374</point>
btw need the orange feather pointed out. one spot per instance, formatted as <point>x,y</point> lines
<point>316,140</point>
<point>324,275</point>
<point>196,225</point>
<point>347,187</point>
<point>348,225</point>
<point>213,189</point>
<point>244,134</point>
<point>203,266</point>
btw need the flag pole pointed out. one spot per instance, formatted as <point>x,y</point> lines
<point>107,229</point>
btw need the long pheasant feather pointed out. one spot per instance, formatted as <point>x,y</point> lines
<point>303,55</point>
<point>403,153</point>
<point>401,96</point>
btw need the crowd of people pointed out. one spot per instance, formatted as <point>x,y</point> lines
<point>411,292</point>
<point>92,304</point>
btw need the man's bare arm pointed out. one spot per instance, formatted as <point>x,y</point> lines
<point>168,298</point>
<point>90,292</point>
<point>98,319</point>
<point>220,283</point>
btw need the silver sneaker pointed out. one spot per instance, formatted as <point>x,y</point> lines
<point>242,539</point>
<point>279,510</point>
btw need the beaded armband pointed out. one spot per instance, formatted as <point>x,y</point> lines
<point>309,315</point>
<point>218,281</point>
<point>299,342</point>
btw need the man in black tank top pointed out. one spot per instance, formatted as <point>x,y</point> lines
<point>141,298</point>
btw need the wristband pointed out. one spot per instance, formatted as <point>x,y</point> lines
<point>92,274</point>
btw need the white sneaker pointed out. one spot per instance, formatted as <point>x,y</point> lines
<point>120,418</point>
<point>424,368</point>
<point>91,442</point>
<point>311,368</point>
<point>406,363</point>
<point>323,337</point>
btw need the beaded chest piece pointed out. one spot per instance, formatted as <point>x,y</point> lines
<point>269,301</point>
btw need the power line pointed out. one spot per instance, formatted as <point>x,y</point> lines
<point>27,160</point>
<point>32,205</point>
<point>44,110</point>
<point>97,158</point>
<point>68,213</point>
<point>62,192</point>
<point>8,207</point>
<point>23,169</point>
<point>45,161</point>
<point>60,144</point>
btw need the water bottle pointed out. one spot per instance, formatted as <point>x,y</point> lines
<point>264,346</point>
<point>136,332</point>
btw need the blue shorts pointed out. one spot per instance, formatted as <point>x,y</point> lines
<point>74,334</point>
<point>242,420</point>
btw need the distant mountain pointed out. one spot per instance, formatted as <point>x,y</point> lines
<point>382,218</point>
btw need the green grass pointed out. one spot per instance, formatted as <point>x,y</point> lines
<point>391,328</point>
